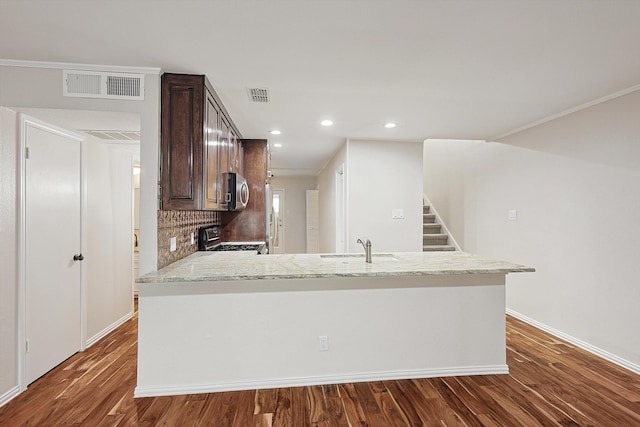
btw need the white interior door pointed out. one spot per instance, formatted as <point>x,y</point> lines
<point>52,238</point>
<point>277,223</point>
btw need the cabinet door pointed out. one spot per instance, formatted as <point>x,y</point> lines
<point>240,157</point>
<point>212,188</point>
<point>224,145</point>
<point>234,149</point>
<point>182,134</point>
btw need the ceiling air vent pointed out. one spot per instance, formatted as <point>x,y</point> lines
<point>97,84</point>
<point>115,135</point>
<point>258,94</point>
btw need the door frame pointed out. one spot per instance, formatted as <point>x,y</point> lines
<point>341,245</point>
<point>281,206</point>
<point>24,122</point>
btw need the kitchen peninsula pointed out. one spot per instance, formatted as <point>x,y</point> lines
<point>218,321</point>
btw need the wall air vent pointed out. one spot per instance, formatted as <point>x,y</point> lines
<point>126,86</point>
<point>83,84</point>
<point>97,84</point>
<point>258,94</point>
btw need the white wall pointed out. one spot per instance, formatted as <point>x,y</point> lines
<point>575,183</point>
<point>295,188</point>
<point>108,256</point>
<point>327,187</point>
<point>108,251</point>
<point>38,87</point>
<point>447,165</point>
<point>384,175</point>
<point>377,328</point>
<point>41,87</point>
<point>8,253</point>
<point>379,176</point>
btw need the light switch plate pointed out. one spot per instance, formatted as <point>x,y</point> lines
<point>193,238</point>
<point>513,215</point>
<point>397,213</point>
<point>172,244</point>
<point>324,342</point>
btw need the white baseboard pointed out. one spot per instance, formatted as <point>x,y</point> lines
<point>318,380</point>
<point>15,391</point>
<point>106,331</point>
<point>635,368</point>
<point>10,394</point>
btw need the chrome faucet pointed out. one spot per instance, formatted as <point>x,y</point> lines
<point>366,244</point>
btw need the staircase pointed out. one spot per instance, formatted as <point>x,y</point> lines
<point>433,238</point>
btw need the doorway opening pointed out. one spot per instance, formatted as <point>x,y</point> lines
<point>277,222</point>
<point>340,211</point>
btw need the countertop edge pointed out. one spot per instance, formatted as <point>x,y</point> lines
<point>329,275</point>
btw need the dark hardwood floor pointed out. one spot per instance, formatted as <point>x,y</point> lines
<point>551,383</point>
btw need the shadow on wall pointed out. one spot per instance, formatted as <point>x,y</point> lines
<point>595,145</point>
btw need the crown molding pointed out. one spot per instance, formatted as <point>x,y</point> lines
<point>79,67</point>
<point>567,112</point>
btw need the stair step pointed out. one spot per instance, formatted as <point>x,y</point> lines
<point>426,209</point>
<point>433,228</point>
<point>435,239</point>
<point>428,218</point>
<point>436,248</point>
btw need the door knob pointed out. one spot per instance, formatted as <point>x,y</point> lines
<point>78,257</point>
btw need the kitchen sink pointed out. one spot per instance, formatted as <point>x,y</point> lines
<point>353,258</point>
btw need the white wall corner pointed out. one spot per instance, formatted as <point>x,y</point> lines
<point>106,331</point>
<point>10,394</point>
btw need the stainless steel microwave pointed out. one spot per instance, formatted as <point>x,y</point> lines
<point>237,193</point>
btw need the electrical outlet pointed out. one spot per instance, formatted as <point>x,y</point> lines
<point>193,239</point>
<point>173,244</point>
<point>513,215</point>
<point>397,213</point>
<point>324,342</point>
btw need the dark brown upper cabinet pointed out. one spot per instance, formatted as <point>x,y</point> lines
<point>196,144</point>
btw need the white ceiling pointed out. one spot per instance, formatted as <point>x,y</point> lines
<point>440,69</point>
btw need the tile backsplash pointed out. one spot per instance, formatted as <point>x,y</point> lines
<point>180,224</point>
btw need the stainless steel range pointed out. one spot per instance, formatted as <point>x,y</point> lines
<point>209,240</point>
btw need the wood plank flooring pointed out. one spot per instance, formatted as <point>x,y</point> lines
<point>551,383</point>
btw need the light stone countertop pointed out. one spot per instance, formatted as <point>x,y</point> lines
<point>229,266</point>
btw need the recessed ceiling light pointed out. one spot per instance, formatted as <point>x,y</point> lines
<point>274,132</point>
<point>277,145</point>
<point>326,123</point>
<point>390,125</point>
